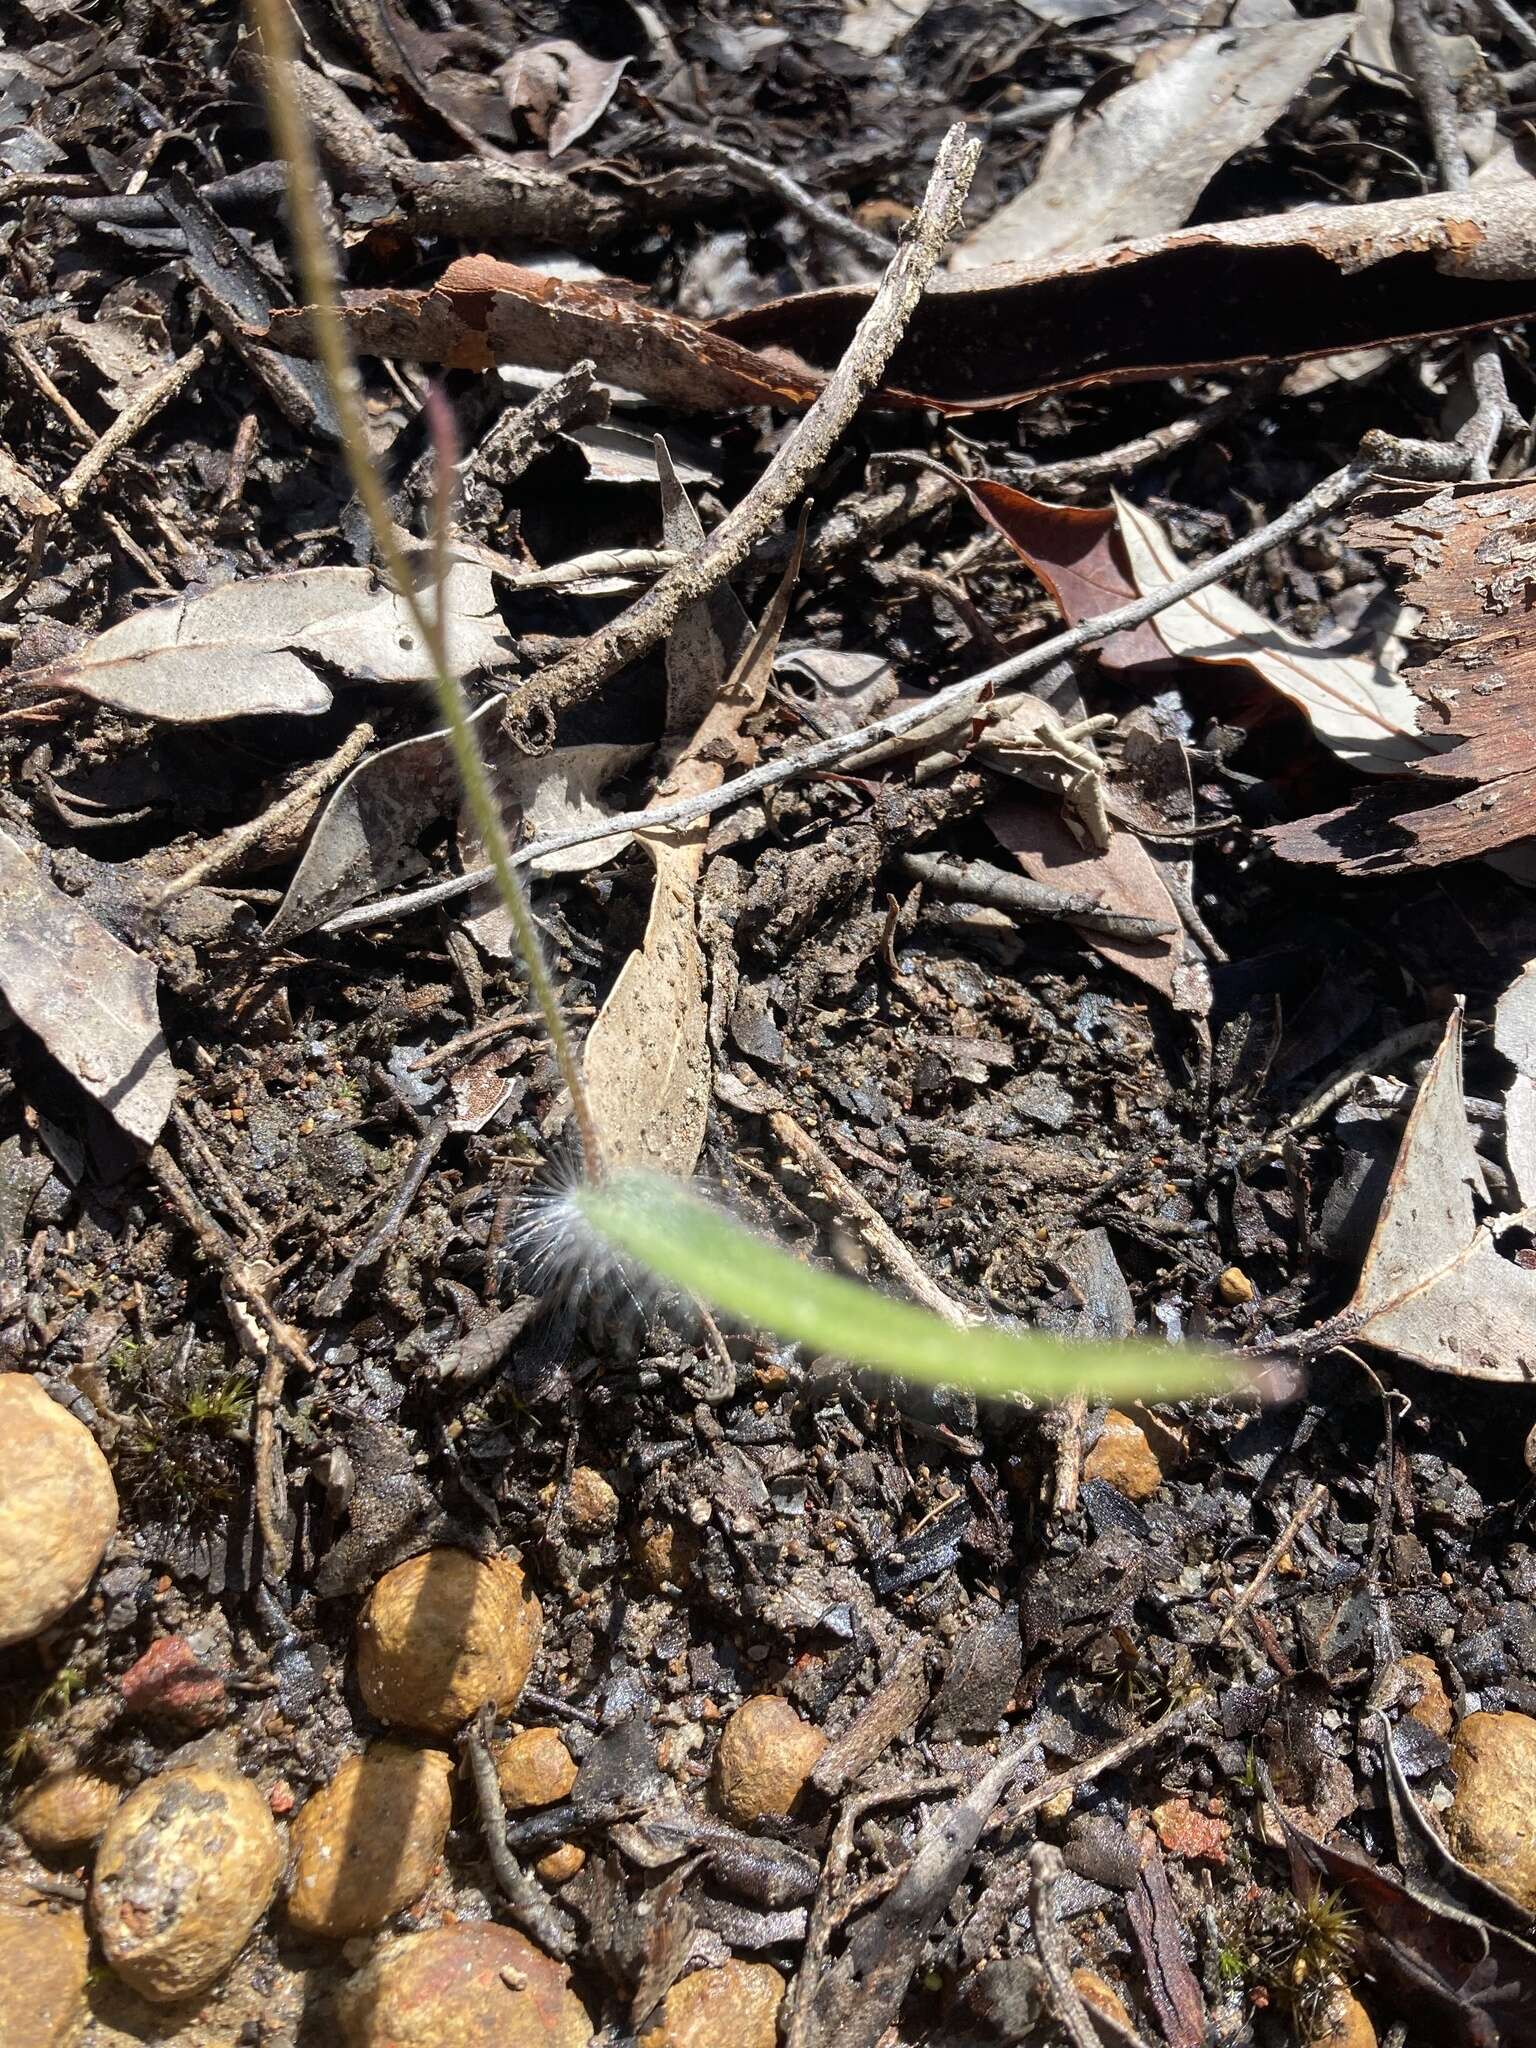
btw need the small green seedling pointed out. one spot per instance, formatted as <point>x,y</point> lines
<point>671,1233</point>
<point>654,1222</point>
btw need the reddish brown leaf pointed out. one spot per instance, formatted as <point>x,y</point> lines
<point>482,312</point>
<point>1278,287</point>
<point>1469,554</point>
<point>1077,553</point>
<point>1122,876</point>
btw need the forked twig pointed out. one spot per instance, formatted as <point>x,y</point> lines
<point>648,621</point>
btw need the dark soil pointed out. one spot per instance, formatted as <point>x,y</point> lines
<point>1047,1135</point>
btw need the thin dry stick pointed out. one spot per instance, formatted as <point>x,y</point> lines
<point>794,195</point>
<point>1154,446</point>
<point>1277,1550</point>
<point>1479,437</point>
<point>1333,491</point>
<point>1513,23</point>
<point>132,421</point>
<point>295,145</point>
<point>537,1915</point>
<point>226,850</point>
<point>1046,1869</point>
<point>868,1221</point>
<point>647,622</point>
<point>979,882</point>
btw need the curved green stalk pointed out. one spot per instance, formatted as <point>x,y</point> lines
<point>670,1232</point>
<point>290,131</point>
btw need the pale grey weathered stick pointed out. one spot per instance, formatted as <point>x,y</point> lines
<point>1323,498</point>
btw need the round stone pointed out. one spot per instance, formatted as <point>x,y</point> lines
<point>736,2006</point>
<point>58,1509</point>
<point>62,1814</point>
<point>1491,1824</point>
<point>367,1844</point>
<point>476,1986</point>
<point>43,1966</point>
<point>443,1633</point>
<point>534,1769</point>
<point>187,1866</point>
<point>766,1753</point>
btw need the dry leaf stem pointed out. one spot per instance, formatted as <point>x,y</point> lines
<point>291,133</point>
<point>648,621</point>
<point>1334,490</point>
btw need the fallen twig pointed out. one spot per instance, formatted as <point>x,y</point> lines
<point>1277,1550</point>
<point>635,631</point>
<point>1479,436</point>
<point>132,421</point>
<point>537,1915</point>
<point>332,1296</point>
<point>226,850</point>
<point>979,882</point>
<point>866,1220</point>
<point>270,1343</point>
<point>770,178</point>
<point>1046,1869</point>
<point>1334,490</point>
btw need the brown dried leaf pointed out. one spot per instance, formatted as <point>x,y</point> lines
<point>1356,707</point>
<point>1436,1288</point>
<point>89,998</point>
<point>1077,553</point>
<point>560,90</point>
<point>1469,554</point>
<point>482,312</point>
<point>1136,163</point>
<point>1313,281</point>
<point>257,645</point>
<point>647,1056</point>
<point>1122,876</point>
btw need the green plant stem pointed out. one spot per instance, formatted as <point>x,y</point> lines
<point>676,1236</point>
<point>291,133</point>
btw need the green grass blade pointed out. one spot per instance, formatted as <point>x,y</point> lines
<point>670,1232</point>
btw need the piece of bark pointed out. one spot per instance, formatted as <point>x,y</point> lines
<point>1467,554</point>
<point>1312,281</point>
<point>888,1714</point>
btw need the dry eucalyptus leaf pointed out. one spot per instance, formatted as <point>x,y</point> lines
<point>89,998</point>
<point>710,637</point>
<point>647,1055</point>
<point>543,795</point>
<point>560,90</point>
<point>259,645</point>
<point>1356,708</point>
<point>1436,1288</point>
<point>1465,555</point>
<point>364,840</point>
<point>1135,164</point>
<point>1123,876</point>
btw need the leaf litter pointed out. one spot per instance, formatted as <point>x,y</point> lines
<point>287,1291</point>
